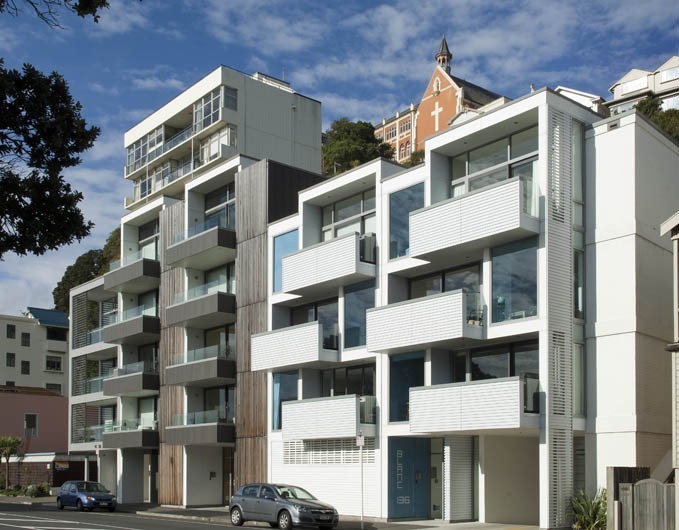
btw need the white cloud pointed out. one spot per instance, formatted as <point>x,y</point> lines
<point>109,145</point>
<point>123,16</point>
<point>106,90</point>
<point>155,83</point>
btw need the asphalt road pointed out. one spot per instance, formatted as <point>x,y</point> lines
<point>41,517</point>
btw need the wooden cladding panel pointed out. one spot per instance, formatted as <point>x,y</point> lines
<point>251,218</point>
<point>170,466</point>
<point>249,320</point>
<point>250,463</point>
<point>251,271</point>
<point>251,399</point>
<point>171,221</point>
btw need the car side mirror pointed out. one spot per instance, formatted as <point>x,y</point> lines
<point>269,497</point>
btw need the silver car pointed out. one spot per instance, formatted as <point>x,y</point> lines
<point>282,506</point>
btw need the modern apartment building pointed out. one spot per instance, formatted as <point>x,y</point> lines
<point>34,350</point>
<point>637,84</point>
<point>477,337</point>
<point>162,395</point>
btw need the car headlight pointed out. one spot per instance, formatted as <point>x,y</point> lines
<point>90,499</point>
<point>302,509</point>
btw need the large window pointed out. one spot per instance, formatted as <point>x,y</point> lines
<point>401,203</point>
<point>325,313</point>
<point>282,246</point>
<point>221,340</point>
<point>220,208</point>
<point>466,278</point>
<point>53,363</point>
<point>359,380</point>
<point>11,331</point>
<point>514,280</point>
<point>138,151</point>
<point>210,148</point>
<point>353,214</point>
<point>148,240</point>
<point>219,404</point>
<point>206,110</point>
<point>357,299</point>
<point>284,389</point>
<point>405,371</point>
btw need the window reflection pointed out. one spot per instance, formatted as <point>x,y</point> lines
<point>283,245</point>
<point>514,280</point>
<point>401,203</point>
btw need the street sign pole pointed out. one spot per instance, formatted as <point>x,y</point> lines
<point>360,442</point>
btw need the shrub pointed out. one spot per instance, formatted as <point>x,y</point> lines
<point>589,513</point>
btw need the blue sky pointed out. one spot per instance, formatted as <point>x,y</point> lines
<point>361,59</point>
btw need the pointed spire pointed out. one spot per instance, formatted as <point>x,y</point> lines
<point>443,57</point>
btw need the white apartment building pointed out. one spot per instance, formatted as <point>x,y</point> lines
<point>34,349</point>
<point>489,326</point>
<point>154,395</point>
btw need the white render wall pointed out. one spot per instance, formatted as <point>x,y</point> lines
<point>199,487</point>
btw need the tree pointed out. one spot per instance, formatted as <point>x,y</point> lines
<point>8,447</point>
<point>349,144</point>
<point>666,120</point>
<point>41,134</point>
<point>416,158</point>
<point>86,267</point>
<point>47,10</point>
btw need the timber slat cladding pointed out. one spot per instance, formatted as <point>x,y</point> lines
<point>251,271</point>
<point>253,467</point>
<point>251,399</point>
<point>251,190</point>
<point>249,319</point>
<point>171,398</point>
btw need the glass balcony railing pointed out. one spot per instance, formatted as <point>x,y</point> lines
<point>201,290</point>
<point>368,409</point>
<point>94,336</point>
<point>227,222</point>
<point>531,393</point>
<point>209,352</point>
<point>88,434</point>
<point>131,257</point>
<point>474,308</point>
<point>132,424</point>
<point>135,368</point>
<point>171,143</point>
<point>221,414</point>
<point>95,384</point>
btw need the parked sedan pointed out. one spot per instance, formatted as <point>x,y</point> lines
<point>280,505</point>
<point>85,495</point>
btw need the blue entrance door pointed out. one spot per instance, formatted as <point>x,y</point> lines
<point>409,477</point>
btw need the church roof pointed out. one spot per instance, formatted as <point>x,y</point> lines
<point>443,49</point>
<point>475,93</point>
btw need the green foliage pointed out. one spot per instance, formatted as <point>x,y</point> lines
<point>416,158</point>
<point>350,144</point>
<point>8,447</point>
<point>41,134</point>
<point>589,513</point>
<point>33,490</point>
<point>86,267</point>
<point>47,10</point>
<point>666,120</point>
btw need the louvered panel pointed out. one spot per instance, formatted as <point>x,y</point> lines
<point>460,451</point>
<point>79,321</point>
<point>79,375</point>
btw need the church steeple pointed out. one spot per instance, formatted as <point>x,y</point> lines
<point>444,56</point>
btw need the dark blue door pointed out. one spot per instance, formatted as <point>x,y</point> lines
<point>409,477</point>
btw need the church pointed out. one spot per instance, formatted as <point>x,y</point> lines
<point>446,96</point>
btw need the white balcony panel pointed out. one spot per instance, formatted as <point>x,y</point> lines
<point>432,321</point>
<point>469,407</point>
<point>323,418</point>
<point>323,267</point>
<point>469,223</point>
<point>291,347</point>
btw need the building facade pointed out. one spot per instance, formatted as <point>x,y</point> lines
<point>445,97</point>
<point>477,337</point>
<point>34,350</point>
<point>162,394</point>
<point>637,84</point>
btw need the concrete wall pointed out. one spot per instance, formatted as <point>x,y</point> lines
<point>108,466</point>
<point>130,475</point>
<point>510,476</point>
<point>200,487</point>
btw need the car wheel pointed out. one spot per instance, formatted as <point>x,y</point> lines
<point>79,505</point>
<point>284,520</point>
<point>111,508</point>
<point>59,504</point>
<point>236,516</point>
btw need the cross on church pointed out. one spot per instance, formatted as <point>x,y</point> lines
<point>435,114</point>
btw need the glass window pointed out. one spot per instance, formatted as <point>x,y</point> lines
<point>353,214</point>
<point>459,166</point>
<point>26,339</point>
<point>490,365</point>
<point>401,203</point>
<point>149,303</point>
<point>11,331</point>
<point>53,363</point>
<point>339,387</point>
<point>10,360</point>
<point>579,371</point>
<point>578,283</point>
<point>327,317</point>
<point>405,371</point>
<point>282,246</point>
<point>347,207</point>
<point>488,179</point>
<point>527,173</point>
<point>465,278</point>
<point>524,142</point>
<point>426,286</point>
<point>488,156</point>
<point>31,425</point>
<point>26,367</point>
<point>357,299</point>
<point>526,360</point>
<point>284,389</point>
<point>230,98</point>
<point>514,280</point>
<point>459,367</point>
<point>54,387</point>
<point>302,314</point>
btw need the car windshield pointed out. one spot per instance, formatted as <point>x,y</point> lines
<point>92,487</point>
<point>294,492</point>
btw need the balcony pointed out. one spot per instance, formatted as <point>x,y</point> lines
<point>134,328</point>
<point>134,274</point>
<point>203,367</point>
<point>203,247</point>
<point>205,306</point>
<point>292,347</point>
<point>476,407</point>
<point>133,380</point>
<point>447,320</point>
<point>153,155</point>
<point>209,427</point>
<point>88,434</point>
<point>329,417</point>
<point>320,269</point>
<point>60,346</point>
<point>465,225</point>
<point>131,433</point>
